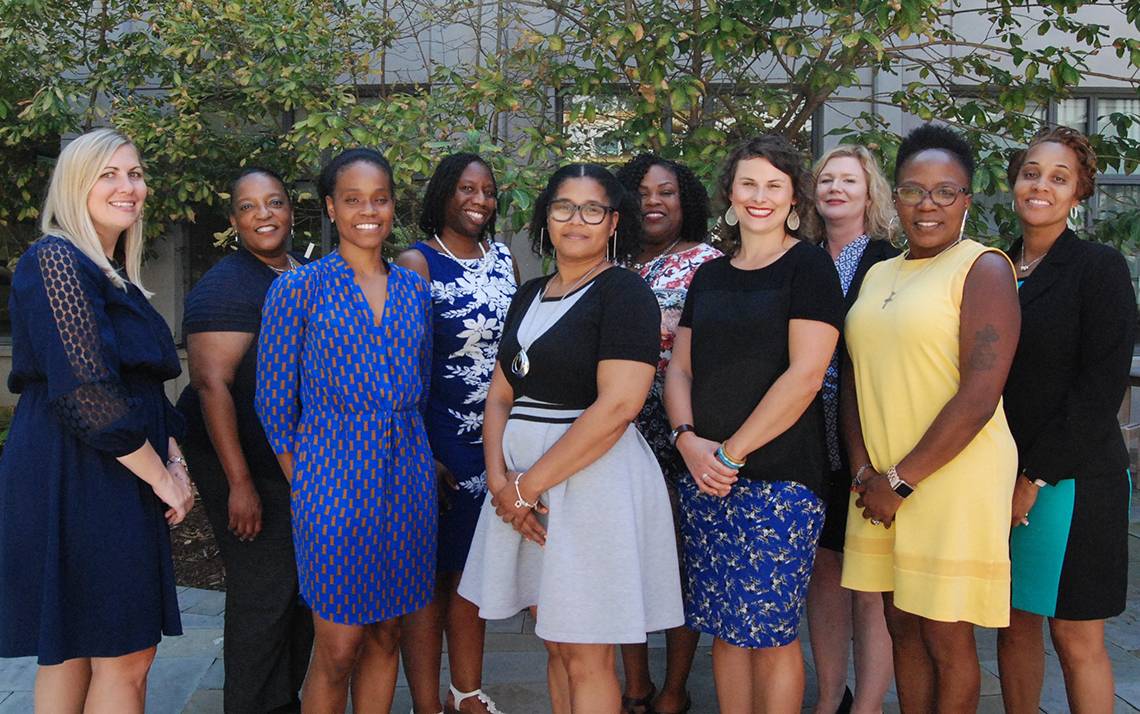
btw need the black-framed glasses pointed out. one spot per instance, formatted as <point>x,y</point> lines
<point>944,195</point>
<point>563,210</point>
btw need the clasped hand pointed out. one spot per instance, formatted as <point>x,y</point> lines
<point>521,518</point>
<point>710,475</point>
<point>877,499</point>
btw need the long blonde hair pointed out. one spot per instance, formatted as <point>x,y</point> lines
<point>879,220</point>
<point>65,211</point>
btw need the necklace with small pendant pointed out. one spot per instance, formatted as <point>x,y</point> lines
<point>1026,267</point>
<point>659,256</point>
<point>898,271</point>
<point>520,365</point>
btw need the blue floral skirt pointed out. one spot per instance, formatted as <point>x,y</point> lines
<point>748,558</point>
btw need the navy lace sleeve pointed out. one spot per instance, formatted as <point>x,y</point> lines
<point>74,343</point>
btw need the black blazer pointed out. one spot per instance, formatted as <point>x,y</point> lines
<point>876,251</point>
<point>1070,372</point>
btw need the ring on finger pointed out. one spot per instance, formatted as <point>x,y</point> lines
<point>705,478</point>
<point>876,522</point>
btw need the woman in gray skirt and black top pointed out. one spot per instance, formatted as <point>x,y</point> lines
<point>579,525</point>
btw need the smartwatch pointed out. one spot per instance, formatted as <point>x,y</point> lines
<point>900,487</point>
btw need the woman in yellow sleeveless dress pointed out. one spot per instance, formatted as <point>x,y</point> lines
<point>930,341</point>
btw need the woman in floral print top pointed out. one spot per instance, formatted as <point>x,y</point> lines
<point>674,215</point>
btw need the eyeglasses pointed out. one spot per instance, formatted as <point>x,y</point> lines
<point>944,195</point>
<point>563,210</point>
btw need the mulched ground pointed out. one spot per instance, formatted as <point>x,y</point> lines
<point>197,562</point>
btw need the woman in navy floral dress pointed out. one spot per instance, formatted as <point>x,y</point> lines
<point>472,281</point>
<point>342,370</point>
<point>86,578</point>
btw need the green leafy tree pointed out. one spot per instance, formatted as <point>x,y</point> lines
<point>205,86</point>
<point>694,76</point>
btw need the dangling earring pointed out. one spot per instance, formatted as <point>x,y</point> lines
<point>730,216</point>
<point>793,220</point>
<point>542,244</point>
<point>612,244</point>
<point>962,230</point>
<point>1074,217</point>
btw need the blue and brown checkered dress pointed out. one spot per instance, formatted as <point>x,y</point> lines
<point>344,396</point>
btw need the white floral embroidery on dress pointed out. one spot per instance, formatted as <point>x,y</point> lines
<point>477,302</point>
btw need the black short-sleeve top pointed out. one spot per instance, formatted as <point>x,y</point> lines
<point>229,298</point>
<point>615,317</point>
<point>739,348</point>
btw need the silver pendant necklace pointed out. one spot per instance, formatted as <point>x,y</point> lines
<point>520,365</point>
<point>1023,266</point>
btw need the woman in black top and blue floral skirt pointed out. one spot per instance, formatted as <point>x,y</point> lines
<point>742,392</point>
<point>1069,544</point>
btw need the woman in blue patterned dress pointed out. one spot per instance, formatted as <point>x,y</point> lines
<point>472,281</point>
<point>86,578</point>
<point>342,370</point>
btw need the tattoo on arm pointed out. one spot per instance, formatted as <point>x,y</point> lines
<point>983,356</point>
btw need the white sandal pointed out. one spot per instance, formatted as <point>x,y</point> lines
<point>479,694</point>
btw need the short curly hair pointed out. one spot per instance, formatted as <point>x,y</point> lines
<point>625,203</point>
<point>1067,136</point>
<point>694,198</point>
<point>442,186</point>
<point>936,137</point>
<point>779,152</point>
<point>231,208</point>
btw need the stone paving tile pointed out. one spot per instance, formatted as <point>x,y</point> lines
<point>215,676</point>
<point>17,703</point>
<point>173,681</point>
<point>210,602</point>
<point>500,642</point>
<point>194,643</point>
<point>17,674</point>
<point>193,621</point>
<point>512,625</point>
<point>189,597</point>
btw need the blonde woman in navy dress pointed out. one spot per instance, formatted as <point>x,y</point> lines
<point>343,369</point>
<point>472,279</point>
<point>579,525</point>
<point>86,577</point>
